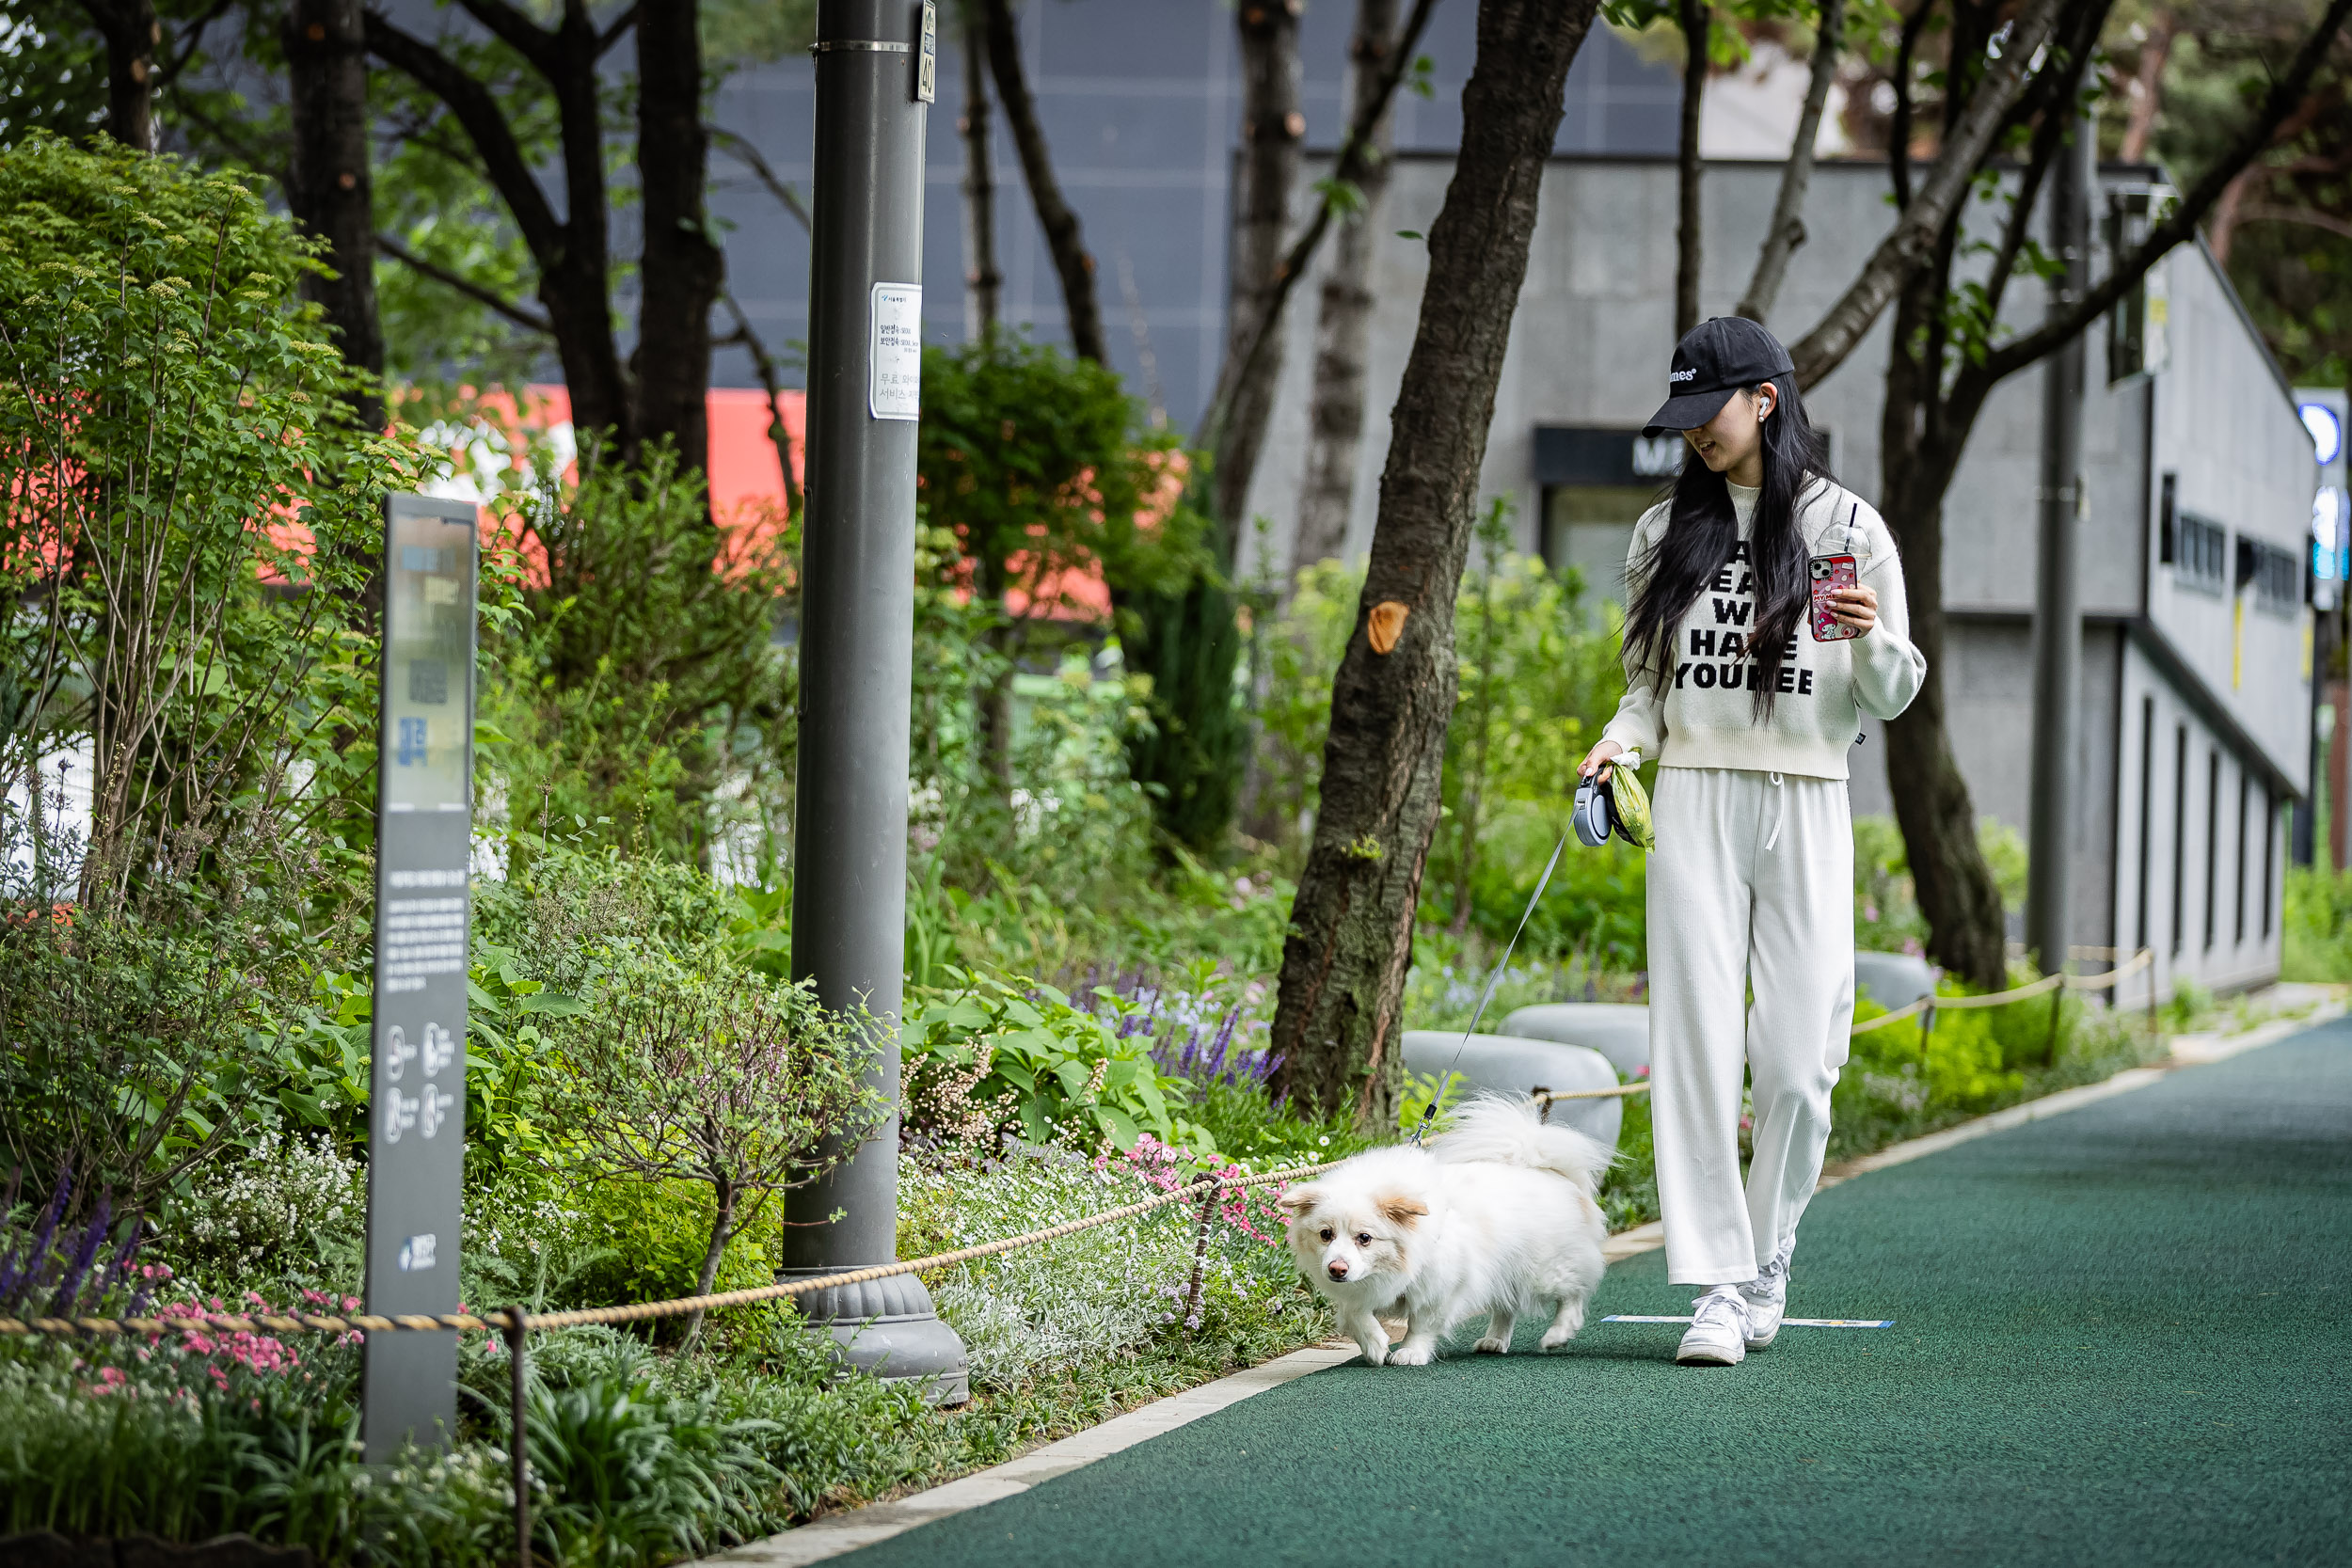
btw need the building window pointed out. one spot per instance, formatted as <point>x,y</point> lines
<point>2213,842</point>
<point>2270,851</point>
<point>2168,520</point>
<point>2202,557</point>
<point>2276,575</point>
<point>2146,808</point>
<point>2245,807</point>
<point>2180,839</point>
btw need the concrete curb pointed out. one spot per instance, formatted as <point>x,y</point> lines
<point>837,1533</point>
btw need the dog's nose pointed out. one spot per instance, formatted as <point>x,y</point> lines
<point>1336,1270</point>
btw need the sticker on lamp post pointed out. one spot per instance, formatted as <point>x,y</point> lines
<point>895,355</point>
<point>423,842</point>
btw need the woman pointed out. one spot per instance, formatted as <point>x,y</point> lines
<point>1749,718</point>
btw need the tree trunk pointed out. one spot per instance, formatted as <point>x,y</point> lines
<point>984,282</point>
<point>681,270</point>
<point>329,184</point>
<point>132,34</point>
<point>330,189</point>
<point>1351,929</point>
<point>1696,23</point>
<point>2147,92</point>
<point>1967,929</point>
<point>721,1232</point>
<point>1335,417</point>
<point>1063,238</point>
<point>1272,127</point>
<point>1786,231</point>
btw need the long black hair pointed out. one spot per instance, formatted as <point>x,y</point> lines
<point>1702,532</point>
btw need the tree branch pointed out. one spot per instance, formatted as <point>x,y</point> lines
<point>1786,231</point>
<point>611,35</point>
<point>522,315</point>
<point>1823,349</point>
<point>2311,217</point>
<point>2286,94</point>
<point>477,110</point>
<point>765,366</point>
<point>747,154</point>
<point>514,30</point>
<point>192,35</point>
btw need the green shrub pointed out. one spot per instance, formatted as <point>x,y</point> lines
<point>638,699</point>
<point>983,1059</point>
<point>2318,933</point>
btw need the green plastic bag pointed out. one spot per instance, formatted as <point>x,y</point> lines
<point>1630,803</point>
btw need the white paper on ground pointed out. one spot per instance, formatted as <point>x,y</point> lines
<point>1785,1322</point>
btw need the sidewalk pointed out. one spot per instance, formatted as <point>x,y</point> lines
<point>2118,1337</point>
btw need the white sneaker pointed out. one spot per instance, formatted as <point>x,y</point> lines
<point>1766,1298</point>
<point>1718,1330</point>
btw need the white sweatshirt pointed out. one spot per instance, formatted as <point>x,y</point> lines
<point>1700,714</point>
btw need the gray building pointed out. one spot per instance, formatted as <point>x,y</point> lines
<point>1140,101</point>
<point>2196,700</point>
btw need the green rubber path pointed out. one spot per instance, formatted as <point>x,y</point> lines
<point>2120,1335</point>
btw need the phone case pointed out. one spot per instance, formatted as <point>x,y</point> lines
<point>1831,573</point>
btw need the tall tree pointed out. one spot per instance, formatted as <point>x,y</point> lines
<point>1697,24</point>
<point>1245,382</point>
<point>1948,352</point>
<point>1188,643</point>
<point>146,53</point>
<point>1785,232</point>
<point>680,268</point>
<point>1065,240</point>
<point>1273,127</point>
<point>1344,963</point>
<point>573,252</point>
<point>1335,412</point>
<point>330,185</point>
<point>983,280</point>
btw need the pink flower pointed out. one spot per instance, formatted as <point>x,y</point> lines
<point>351,1304</point>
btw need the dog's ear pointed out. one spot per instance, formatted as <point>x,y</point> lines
<point>1399,1209</point>
<point>1296,1201</point>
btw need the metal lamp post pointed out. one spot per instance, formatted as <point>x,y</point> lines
<point>876,63</point>
<point>2057,654</point>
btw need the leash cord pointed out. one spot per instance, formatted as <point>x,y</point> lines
<point>1493,980</point>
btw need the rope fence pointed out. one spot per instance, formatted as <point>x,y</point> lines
<point>517,1324</point>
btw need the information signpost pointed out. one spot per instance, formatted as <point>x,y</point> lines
<point>423,842</point>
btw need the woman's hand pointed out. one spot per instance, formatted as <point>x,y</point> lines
<point>1857,608</point>
<point>1598,758</point>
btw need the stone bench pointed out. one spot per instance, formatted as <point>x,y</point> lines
<point>1618,1030</point>
<point>1513,1064</point>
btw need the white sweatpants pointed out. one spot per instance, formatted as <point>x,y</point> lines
<point>1752,882</point>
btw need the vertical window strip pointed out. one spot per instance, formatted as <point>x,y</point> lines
<point>2212,843</point>
<point>2147,812</point>
<point>2180,840</point>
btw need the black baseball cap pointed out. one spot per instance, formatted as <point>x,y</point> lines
<point>1716,358</point>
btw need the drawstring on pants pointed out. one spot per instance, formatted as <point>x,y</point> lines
<point>1780,811</point>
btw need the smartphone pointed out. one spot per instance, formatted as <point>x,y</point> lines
<point>1829,574</point>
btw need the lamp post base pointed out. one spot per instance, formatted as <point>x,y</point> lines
<point>887,1327</point>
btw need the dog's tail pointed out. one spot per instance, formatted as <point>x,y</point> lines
<point>1508,1130</point>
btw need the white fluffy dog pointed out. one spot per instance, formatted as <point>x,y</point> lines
<point>1496,1215</point>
